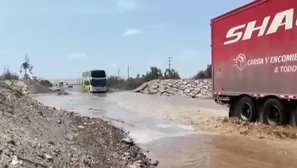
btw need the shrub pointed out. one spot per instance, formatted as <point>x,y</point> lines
<point>8,75</point>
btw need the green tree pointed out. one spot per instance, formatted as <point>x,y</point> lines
<point>171,74</point>
<point>154,73</point>
<point>133,83</point>
<point>200,75</point>
<point>8,75</point>
<point>26,67</point>
<point>115,82</point>
<point>207,73</point>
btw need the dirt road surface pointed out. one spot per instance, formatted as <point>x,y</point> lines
<point>160,125</point>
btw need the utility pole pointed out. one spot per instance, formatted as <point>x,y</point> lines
<point>128,71</point>
<point>169,63</point>
<point>118,72</point>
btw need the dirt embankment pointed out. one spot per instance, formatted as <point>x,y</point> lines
<point>204,119</point>
<point>28,86</point>
<point>189,88</point>
<point>34,135</point>
<point>255,130</point>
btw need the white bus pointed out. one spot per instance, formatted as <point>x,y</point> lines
<point>94,81</point>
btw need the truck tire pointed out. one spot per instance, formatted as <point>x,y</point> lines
<point>246,109</point>
<point>274,112</point>
<point>294,117</point>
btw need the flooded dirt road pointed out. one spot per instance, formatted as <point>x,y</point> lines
<point>172,143</point>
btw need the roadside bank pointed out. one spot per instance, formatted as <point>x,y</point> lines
<point>36,135</point>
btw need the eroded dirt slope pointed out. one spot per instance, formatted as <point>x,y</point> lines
<point>34,135</point>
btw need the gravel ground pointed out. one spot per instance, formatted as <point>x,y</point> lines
<point>34,135</point>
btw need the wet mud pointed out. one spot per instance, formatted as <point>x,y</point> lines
<point>212,151</point>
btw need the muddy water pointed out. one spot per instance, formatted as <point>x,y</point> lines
<point>173,144</point>
<point>212,151</point>
<point>143,129</point>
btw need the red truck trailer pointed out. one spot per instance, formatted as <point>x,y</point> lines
<point>254,60</point>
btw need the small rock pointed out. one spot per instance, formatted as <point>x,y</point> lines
<point>69,137</point>
<point>134,166</point>
<point>51,143</point>
<point>15,161</point>
<point>187,90</point>
<point>80,127</point>
<point>12,142</point>
<point>155,163</point>
<point>56,153</point>
<point>48,157</point>
<point>40,113</point>
<point>40,157</point>
<point>128,141</point>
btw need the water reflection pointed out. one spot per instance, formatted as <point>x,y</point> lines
<point>99,95</point>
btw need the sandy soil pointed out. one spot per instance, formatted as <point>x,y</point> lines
<point>34,135</point>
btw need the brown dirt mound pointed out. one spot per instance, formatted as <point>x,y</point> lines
<point>35,88</point>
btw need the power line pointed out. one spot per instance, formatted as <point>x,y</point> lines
<point>128,71</point>
<point>169,63</point>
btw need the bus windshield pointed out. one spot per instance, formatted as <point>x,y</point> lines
<point>98,82</point>
<point>98,74</point>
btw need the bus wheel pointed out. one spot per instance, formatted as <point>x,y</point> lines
<point>246,109</point>
<point>294,117</point>
<point>274,112</point>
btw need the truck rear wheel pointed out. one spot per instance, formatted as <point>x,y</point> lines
<point>294,117</point>
<point>245,109</point>
<point>274,112</point>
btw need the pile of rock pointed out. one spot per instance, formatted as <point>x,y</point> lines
<point>192,88</point>
<point>34,135</point>
<point>28,87</point>
<point>17,85</point>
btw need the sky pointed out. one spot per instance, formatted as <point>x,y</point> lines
<point>64,38</point>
